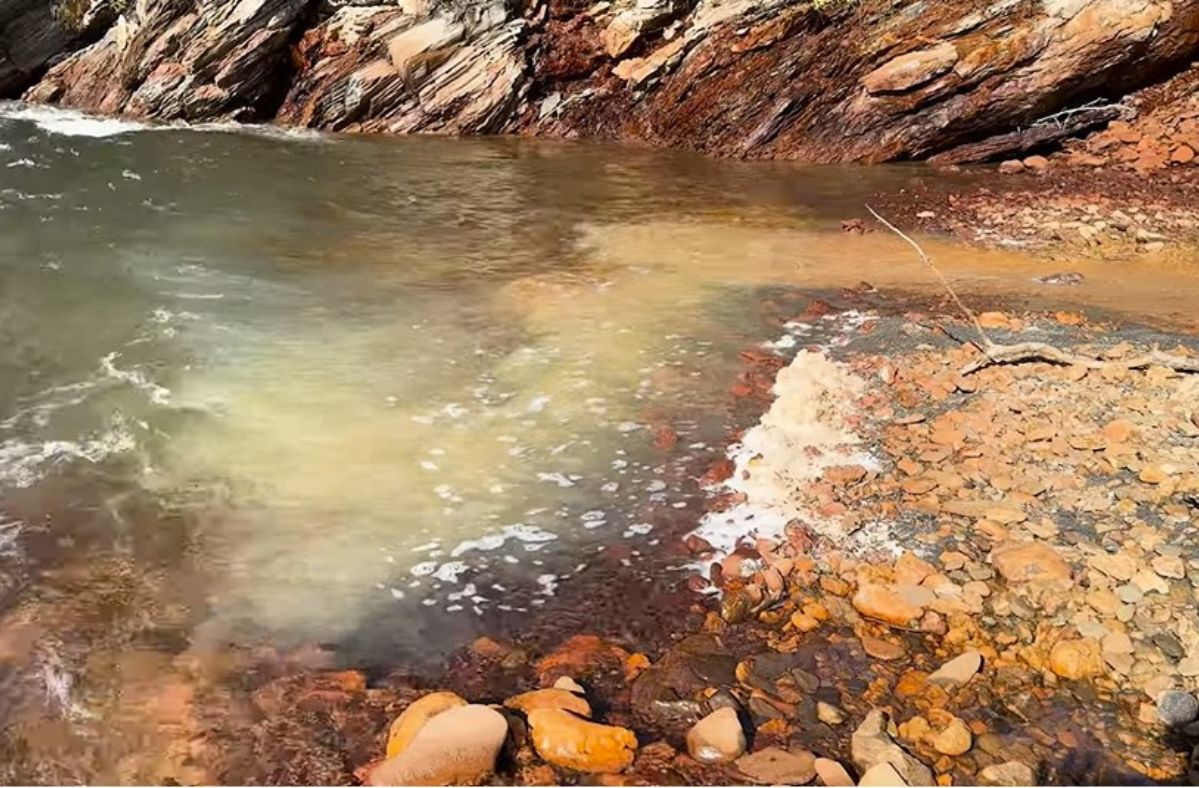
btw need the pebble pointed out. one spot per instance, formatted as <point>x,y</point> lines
<point>1076,659</point>
<point>882,774</point>
<point>1169,646</point>
<point>1009,773</point>
<point>554,698</point>
<point>1117,643</point>
<point>871,745</point>
<point>832,773</point>
<point>829,714</point>
<point>1129,594</point>
<point>405,727</point>
<point>1176,708</point>
<point>569,684</point>
<point>955,739</point>
<point>458,746</point>
<point>1189,667</point>
<point>1030,562</point>
<point>958,670</point>
<point>883,604</point>
<point>1169,566</point>
<point>574,743</point>
<point>883,649</point>
<point>717,738</point>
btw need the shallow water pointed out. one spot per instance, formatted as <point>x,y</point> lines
<point>367,391</point>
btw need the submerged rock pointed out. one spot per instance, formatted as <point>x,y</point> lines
<point>1077,659</point>
<point>1010,773</point>
<point>775,766</point>
<point>882,774</point>
<point>458,746</point>
<point>571,742</point>
<point>958,670</point>
<point>832,773</point>
<point>872,745</point>
<point>669,692</point>
<point>717,738</point>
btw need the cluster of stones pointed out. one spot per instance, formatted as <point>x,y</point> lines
<point>1051,514</point>
<point>441,739</point>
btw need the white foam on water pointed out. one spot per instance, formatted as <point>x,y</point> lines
<point>22,463</point>
<point>73,123</point>
<point>69,122</point>
<point>10,533</point>
<point>159,395</point>
<point>803,433</point>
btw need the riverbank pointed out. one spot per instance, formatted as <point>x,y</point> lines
<point>1001,592</point>
<point>999,589</point>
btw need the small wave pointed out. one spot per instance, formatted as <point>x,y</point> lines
<point>10,532</point>
<point>22,464</point>
<point>73,123</point>
<point>68,122</point>
<point>286,133</point>
<point>159,395</point>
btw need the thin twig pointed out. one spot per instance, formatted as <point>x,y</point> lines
<point>969,313</point>
<point>1060,118</point>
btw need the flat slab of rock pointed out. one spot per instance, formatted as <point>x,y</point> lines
<point>1010,773</point>
<point>958,670</point>
<point>717,738</point>
<point>884,604</point>
<point>911,70</point>
<point>458,746</point>
<point>776,766</point>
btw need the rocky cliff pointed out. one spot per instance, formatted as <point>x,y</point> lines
<point>831,80</point>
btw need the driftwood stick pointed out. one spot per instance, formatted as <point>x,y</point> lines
<point>967,311</point>
<point>993,353</point>
<point>1039,351</point>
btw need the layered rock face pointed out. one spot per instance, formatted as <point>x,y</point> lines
<point>873,80</point>
<point>31,33</point>
<point>177,59</point>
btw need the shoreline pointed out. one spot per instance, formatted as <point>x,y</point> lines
<point>806,640</point>
<point>871,632</point>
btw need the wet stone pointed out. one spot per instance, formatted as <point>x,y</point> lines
<point>1168,644</point>
<point>1009,773</point>
<point>717,738</point>
<point>776,766</point>
<point>459,745</point>
<point>958,670</point>
<point>1176,708</point>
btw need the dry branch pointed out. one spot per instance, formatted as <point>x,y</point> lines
<point>994,353</point>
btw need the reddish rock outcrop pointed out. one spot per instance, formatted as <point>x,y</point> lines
<point>870,81</point>
<point>172,59</point>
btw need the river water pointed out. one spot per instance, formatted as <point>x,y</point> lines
<point>280,388</point>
